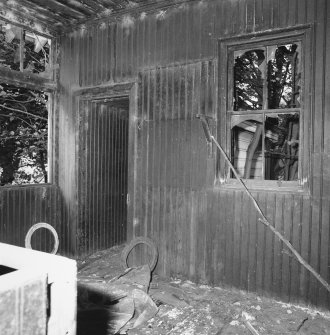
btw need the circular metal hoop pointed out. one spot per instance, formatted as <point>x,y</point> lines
<point>140,240</point>
<point>38,226</point>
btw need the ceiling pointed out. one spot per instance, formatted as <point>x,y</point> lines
<point>55,16</point>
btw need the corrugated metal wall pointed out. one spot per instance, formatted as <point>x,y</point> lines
<point>102,185</point>
<point>23,206</point>
<point>204,232</point>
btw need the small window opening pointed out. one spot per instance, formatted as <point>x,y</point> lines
<point>25,51</point>
<point>265,115</point>
<point>23,136</point>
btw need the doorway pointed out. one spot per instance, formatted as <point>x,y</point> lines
<point>102,173</point>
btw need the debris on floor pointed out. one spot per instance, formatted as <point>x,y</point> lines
<point>112,300</point>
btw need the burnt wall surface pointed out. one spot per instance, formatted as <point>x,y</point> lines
<point>23,206</point>
<point>205,231</point>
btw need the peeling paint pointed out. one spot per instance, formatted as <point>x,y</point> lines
<point>161,15</point>
<point>304,181</point>
<point>127,21</point>
<point>143,15</point>
<point>202,3</point>
<point>182,6</point>
<point>82,30</point>
<point>131,4</point>
<point>77,4</point>
<point>222,180</point>
<point>107,12</point>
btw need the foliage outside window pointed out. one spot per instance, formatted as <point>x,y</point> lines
<point>23,136</point>
<point>264,110</point>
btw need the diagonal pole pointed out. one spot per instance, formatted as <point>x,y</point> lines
<point>262,218</point>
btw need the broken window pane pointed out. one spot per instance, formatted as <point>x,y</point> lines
<point>247,148</point>
<point>23,136</point>
<point>281,147</point>
<point>26,51</point>
<point>249,79</point>
<point>36,49</point>
<point>267,150</point>
<point>10,46</point>
<point>283,74</point>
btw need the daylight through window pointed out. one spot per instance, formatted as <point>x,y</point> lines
<point>23,136</point>
<point>265,90</point>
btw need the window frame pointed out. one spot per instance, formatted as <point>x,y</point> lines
<point>226,48</point>
<point>35,81</point>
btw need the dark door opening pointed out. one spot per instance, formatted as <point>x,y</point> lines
<point>103,173</point>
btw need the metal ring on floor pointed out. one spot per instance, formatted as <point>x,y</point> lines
<point>38,226</point>
<point>140,240</point>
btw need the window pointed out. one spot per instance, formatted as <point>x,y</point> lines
<point>25,51</point>
<point>263,108</point>
<point>23,135</point>
<point>26,72</point>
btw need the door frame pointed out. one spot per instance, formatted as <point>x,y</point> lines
<point>106,92</point>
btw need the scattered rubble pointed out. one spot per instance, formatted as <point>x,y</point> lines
<point>112,300</point>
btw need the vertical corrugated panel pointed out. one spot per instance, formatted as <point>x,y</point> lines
<point>318,83</point>
<point>116,51</point>
<point>22,207</point>
<point>103,174</point>
<point>172,158</point>
<point>206,233</point>
<point>324,298</point>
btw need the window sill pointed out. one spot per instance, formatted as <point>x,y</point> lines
<point>266,186</point>
<point>27,185</point>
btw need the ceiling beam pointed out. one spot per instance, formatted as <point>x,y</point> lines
<point>27,20</point>
<point>38,9</point>
<point>95,5</point>
<point>64,9</point>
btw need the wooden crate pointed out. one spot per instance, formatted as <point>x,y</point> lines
<point>40,296</point>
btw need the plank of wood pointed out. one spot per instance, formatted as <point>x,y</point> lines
<point>229,225</point>
<point>186,233</point>
<point>208,40</point>
<point>259,15</point>
<point>278,246</point>
<point>286,254</point>
<point>260,247</point>
<point>250,16</point>
<point>245,238</point>
<point>305,246</point>
<point>220,237</point>
<point>237,237</point>
<point>296,242</point>
<point>269,242</point>
<point>201,239</point>
<point>323,294</point>
<point>268,14</point>
<point>193,236</point>
<point>252,248</point>
<point>315,248</point>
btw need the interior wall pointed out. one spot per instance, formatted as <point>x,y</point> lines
<point>204,232</point>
